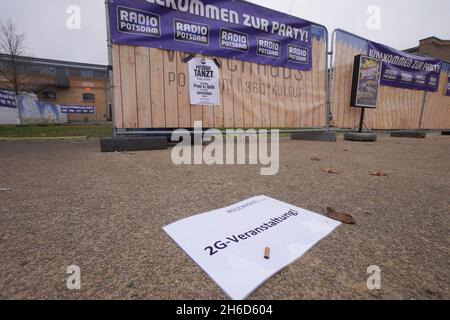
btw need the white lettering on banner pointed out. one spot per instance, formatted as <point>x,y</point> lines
<point>138,21</point>
<point>138,18</point>
<point>229,243</point>
<point>198,8</point>
<point>404,62</point>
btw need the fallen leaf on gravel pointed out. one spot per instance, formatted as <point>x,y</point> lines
<point>328,170</point>
<point>340,216</point>
<point>379,174</point>
<point>5,189</point>
<point>315,159</point>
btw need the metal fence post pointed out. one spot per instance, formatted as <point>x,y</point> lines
<point>110,69</point>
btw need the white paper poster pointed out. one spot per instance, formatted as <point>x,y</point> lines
<point>229,243</point>
<point>204,82</point>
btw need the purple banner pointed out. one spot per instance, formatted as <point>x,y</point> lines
<point>7,99</point>
<point>222,28</point>
<point>447,88</point>
<point>403,70</point>
<point>77,109</point>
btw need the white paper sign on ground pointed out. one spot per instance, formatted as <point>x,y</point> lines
<point>229,243</point>
<point>204,78</point>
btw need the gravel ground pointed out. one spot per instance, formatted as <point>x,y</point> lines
<point>70,204</point>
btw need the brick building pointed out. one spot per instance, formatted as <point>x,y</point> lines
<point>68,83</point>
<point>433,47</point>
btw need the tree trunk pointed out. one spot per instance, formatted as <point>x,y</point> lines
<point>16,93</point>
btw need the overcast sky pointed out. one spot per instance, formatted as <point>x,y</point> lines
<point>403,23</point>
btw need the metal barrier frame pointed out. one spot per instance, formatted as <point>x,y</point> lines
<point>128,132</point>
<point>332,69</point>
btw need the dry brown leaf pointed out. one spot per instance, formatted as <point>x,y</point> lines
<point>379,174</point>
<point>315,159</point>
<point>340,216</point>
<point>328,170</point>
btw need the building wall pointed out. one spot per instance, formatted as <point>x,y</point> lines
<point>435,48</point>
<point>74,96</point>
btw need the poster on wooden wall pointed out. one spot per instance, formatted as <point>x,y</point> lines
<point>204,81</point>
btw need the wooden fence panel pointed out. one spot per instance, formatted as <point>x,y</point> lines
<point>397,108</point>
<point>437,107</point>
<point>151,90</point>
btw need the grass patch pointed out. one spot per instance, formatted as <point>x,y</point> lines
<point>67,130</point>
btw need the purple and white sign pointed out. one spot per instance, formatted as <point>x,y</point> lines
<point>231,29</point>
<point>403,70</point>
<point>7,99</point>
<point>77,109</point>
<point>447,88</point>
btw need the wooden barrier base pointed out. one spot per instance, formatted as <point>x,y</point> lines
<point>326,136</point>
<point>133,144</point>
<point>360,136</point>
<point>409,134</point>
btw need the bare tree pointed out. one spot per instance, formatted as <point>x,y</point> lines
<point>13,69</point>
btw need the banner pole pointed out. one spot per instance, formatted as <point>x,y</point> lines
<point>110,69</point>
<point>330,74</point>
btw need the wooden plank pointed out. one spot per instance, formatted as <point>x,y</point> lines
<point>117,88</point>
<point>227,92</point>
<point>143,87</point>
<point>388,107</point>
<point>238,100</point>
<point>347,85</point>
<point>323,73</point>
<point>219,110</point>
<point>256,95</point>
<point>297,96</point>
<point>273,99</point>
<point>208,116</point>
<point>170,89</point>
<point>184,104</point>
<point>342,80</point>
<point>309,121</point>
<point>381,115</point>
<point>247,94</point>
<point>288,96</point>
<point>157,89</point>
<point>265,96</point>
<point>316,85</point>
<point>336,85</point>
<point>128,81</point>
<point>281,101</point>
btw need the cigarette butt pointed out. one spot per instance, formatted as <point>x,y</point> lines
<point>267,253</point>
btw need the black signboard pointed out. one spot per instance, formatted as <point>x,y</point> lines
<point>366,82</point>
